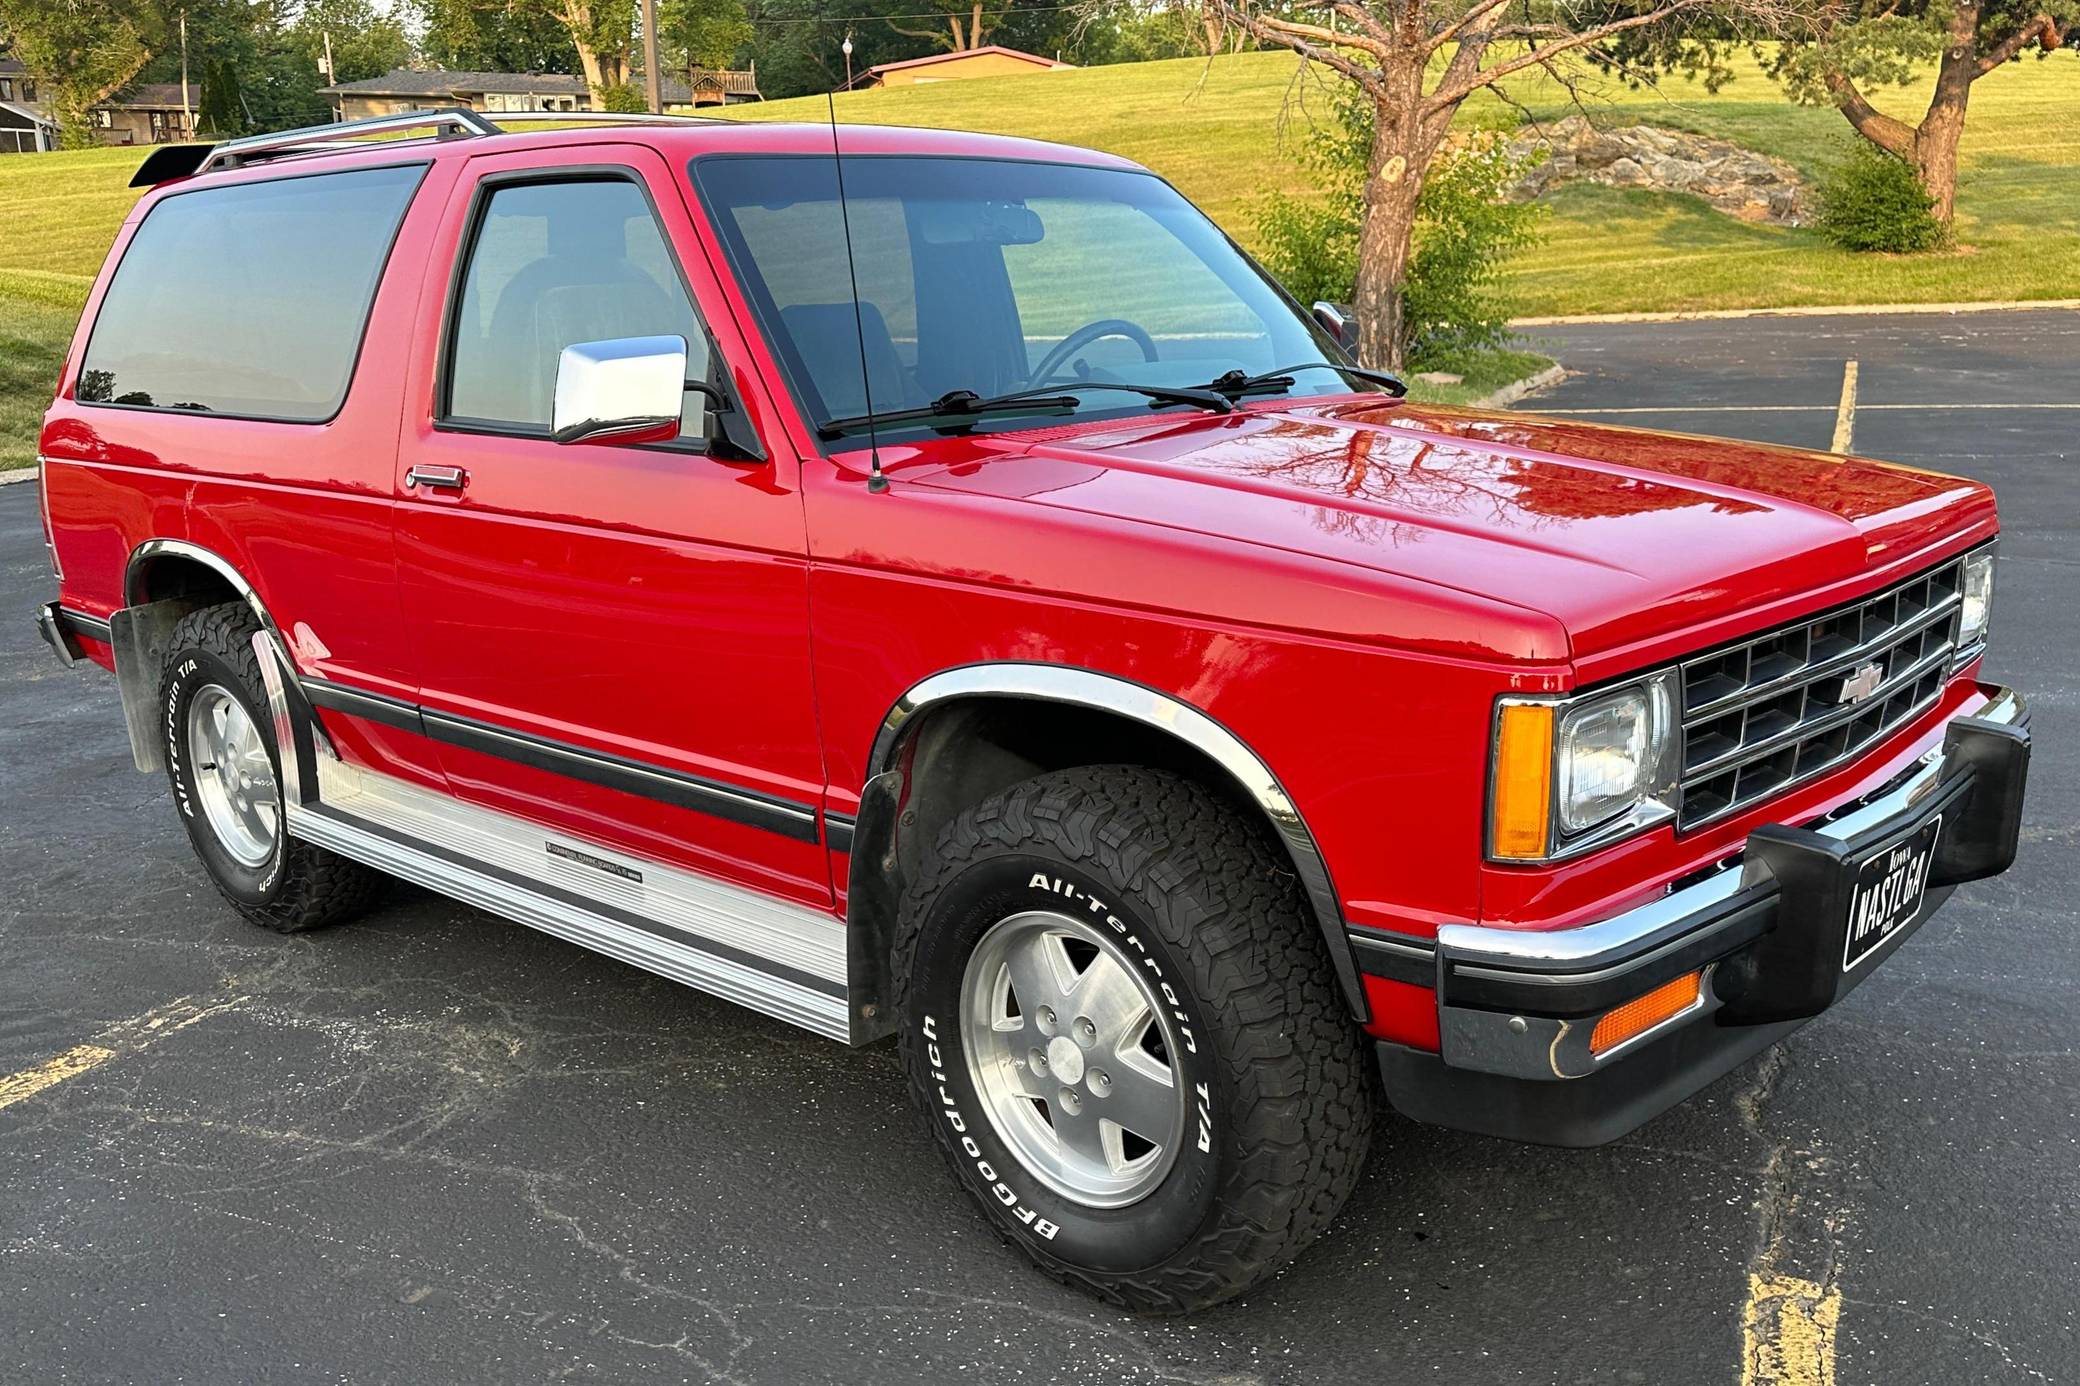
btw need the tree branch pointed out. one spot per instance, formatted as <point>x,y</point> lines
<point>1895,136</point>
<point>1314,44</point>
<point>1455,88</point>
<point>1362,42</point>
<point>1445,35</point>
<point>2040,25</point>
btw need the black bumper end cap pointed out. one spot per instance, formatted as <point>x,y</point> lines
<point>1582,1112</point>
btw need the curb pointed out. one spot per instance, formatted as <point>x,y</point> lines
<point>1801,311</point>
<point>1517,389</point>
<point>8,478</point>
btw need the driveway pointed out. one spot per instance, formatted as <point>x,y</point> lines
<point>433,1147</point>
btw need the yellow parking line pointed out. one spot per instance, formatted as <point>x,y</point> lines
<point>70,1064</point>
<point>1787,1332</point>
<point>124,1037</point>
<point>1845,412</point>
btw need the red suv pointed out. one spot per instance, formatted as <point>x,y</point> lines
<point>942,589</point>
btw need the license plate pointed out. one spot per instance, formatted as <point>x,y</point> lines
<point>1888,892</point>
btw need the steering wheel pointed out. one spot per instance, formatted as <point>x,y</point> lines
<point>1083,337</point>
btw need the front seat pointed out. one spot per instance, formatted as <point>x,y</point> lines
<point>584,290</point>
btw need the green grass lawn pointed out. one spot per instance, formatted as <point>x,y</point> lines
<point>1227,132</point>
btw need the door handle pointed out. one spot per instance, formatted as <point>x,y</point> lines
<point>443,478</point>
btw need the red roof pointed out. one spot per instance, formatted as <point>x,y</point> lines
<point>933,58</point>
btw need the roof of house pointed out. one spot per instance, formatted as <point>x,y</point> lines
<point>932,59</point>
<point>441,84</point>
<point>156,96</point>
<point>405,81</point>
<point>31,111</point>
<point>12,67</point>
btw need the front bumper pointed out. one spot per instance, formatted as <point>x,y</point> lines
<point>1516,1008</point>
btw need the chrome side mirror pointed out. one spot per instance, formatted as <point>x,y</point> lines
<point>629,390</point>
<point>1340,322</point>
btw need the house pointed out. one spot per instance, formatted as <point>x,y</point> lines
<point>148,113</point>
<point>988,61</point>
<point>25,127</point>
<point>405,89</point>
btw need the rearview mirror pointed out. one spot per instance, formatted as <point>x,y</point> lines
<point>629,390</point>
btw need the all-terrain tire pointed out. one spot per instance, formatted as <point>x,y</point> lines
<point>297,886</point>
<point>1279,1109</point>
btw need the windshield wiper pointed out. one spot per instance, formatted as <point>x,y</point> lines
<point>1237,383</point>
<point>955,404</point>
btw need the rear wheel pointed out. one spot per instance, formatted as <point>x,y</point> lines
<point>223,764</point>
<point>1122,1029</point>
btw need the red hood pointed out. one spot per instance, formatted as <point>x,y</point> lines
<point>1618,534</point>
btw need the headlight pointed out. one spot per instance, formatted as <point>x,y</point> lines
<point>1570,774</point>
<point>1978,599</point>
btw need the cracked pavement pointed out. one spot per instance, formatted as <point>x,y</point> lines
<point>434,1147</point>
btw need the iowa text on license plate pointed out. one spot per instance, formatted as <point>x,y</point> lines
<point>1888,893</point>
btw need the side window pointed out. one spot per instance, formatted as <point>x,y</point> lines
<point>551,265</point>
<point>249,299</point>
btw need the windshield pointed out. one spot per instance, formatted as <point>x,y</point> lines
<point>995,276</point>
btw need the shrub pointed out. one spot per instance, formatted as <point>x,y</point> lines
<point>1875,201</point>
<point>626,98</point>
<point>1465,232</point>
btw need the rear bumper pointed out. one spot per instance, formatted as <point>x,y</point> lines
<point>61,629</point>
<point>1769,931</point>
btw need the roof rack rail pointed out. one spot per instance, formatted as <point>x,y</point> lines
<point>505,118</point>
<point>169,162</point>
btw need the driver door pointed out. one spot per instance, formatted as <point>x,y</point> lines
<point>611,641</point>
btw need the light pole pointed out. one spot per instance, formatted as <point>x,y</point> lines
<point>847,48</point>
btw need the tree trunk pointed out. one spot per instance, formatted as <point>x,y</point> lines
<point>1386,233</point>
<point>1936,139</point>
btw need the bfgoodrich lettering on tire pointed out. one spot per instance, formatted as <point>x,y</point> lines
<point>1119,1025</point>
<point>224,768</point>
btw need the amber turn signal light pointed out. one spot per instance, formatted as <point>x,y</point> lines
<point>1643,1013</point>
<point>1521,811</point>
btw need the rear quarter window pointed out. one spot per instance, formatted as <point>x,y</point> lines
<point>248,300</point>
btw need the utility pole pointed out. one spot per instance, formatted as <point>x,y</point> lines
<point>331,77</point>
<point>187,114</point>
<point>650,81</point>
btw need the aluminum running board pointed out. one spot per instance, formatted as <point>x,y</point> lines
<point>785,960</point>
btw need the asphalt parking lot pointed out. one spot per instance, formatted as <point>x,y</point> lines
<point>433,1147</point>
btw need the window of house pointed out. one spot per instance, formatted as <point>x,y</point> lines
<point>247,300</point>
<point>552,265</point>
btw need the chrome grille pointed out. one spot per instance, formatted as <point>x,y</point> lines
<point>1775,709</point>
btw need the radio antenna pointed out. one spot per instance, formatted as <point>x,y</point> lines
<point>876,482</point>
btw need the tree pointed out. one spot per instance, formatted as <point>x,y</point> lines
<point>222,113</point>
<point>81,52</point>
<point>604,33</point>
<point>966,23</point>
<point>1417,61</point>
<point>1846,47</point>
<point>703,33</point>
<point>365,41</point>
<point>493,36</point>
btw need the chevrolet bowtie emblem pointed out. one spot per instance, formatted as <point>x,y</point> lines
<point>1862,682</point>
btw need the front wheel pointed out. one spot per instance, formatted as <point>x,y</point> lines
<point>1123,1031</point>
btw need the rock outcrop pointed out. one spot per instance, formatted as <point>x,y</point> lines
<point>1737,181</point>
